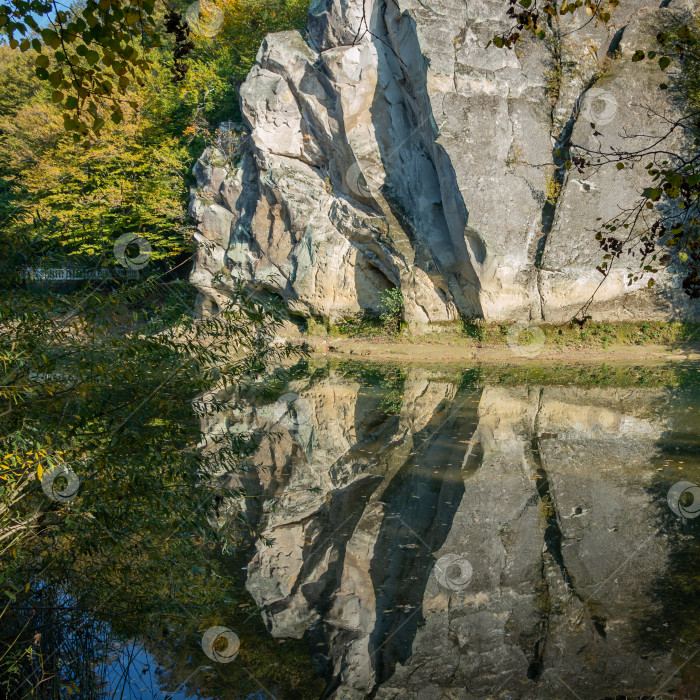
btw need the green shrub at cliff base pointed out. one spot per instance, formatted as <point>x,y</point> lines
<point>392,315</point>
<point>602,334</point>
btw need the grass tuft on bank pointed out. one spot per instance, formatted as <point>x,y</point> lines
<point>479,334</point>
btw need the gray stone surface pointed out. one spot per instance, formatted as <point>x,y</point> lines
<point>412,156</point>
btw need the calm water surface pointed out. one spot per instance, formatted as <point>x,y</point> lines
<point>457,535</point>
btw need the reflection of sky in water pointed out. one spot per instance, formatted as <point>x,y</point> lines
<point>134,674</point>
<point>562,564</point>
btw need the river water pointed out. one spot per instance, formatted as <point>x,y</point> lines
<point>436,533</point>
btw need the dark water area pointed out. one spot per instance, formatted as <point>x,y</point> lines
<point>447,534</point>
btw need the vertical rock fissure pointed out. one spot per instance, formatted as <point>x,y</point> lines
<point>553,538</point>
<point>552,535</point>
<point>536,666</point>
<point>557,178</point>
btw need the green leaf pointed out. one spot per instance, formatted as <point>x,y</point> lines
<point>684,32</point>
<point>50,38</point>
<point>69,123</point>
<point>664,62</point>
<point>638,55</point>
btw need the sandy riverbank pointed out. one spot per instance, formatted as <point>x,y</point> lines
<point>436,351</point>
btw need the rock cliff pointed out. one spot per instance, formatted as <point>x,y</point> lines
<point>388,147</point>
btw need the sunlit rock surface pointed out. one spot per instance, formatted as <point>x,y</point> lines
<point>390,148</point>
<point>541,497</point>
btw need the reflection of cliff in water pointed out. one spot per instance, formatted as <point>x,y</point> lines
<point>545,491</point>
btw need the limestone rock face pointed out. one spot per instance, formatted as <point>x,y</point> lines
<point>390,148</point>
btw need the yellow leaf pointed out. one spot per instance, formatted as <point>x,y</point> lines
<point>40,471</point>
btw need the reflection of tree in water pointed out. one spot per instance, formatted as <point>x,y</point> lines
<point>672,624</point>
<point>166,607</point>
<point>133,554</point>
